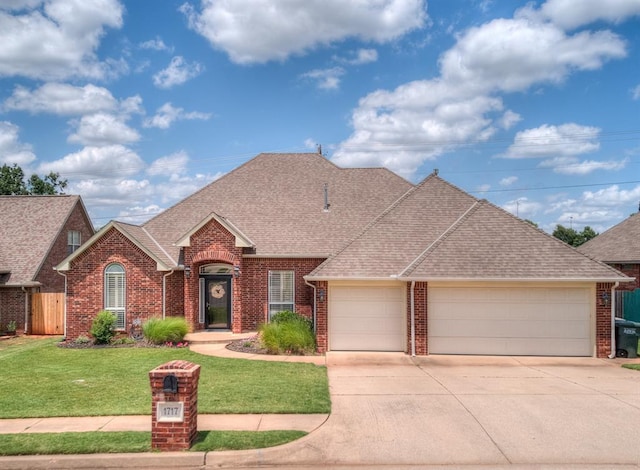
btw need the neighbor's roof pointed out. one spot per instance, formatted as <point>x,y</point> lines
<point>276,201</point>
<point>619,244</point>
<point>438,232</point>
<point>29,225</point>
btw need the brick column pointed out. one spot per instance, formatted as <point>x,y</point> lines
<point>603,320</point>
<point>174,413</point>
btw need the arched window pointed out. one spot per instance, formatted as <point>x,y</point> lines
<point>114,293</point>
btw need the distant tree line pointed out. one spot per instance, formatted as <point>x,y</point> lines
<point>569,235</point>
<point>13,182</point>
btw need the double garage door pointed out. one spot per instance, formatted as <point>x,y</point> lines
<point>489,319</point>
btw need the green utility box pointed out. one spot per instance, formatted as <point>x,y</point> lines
<point>627,334</point>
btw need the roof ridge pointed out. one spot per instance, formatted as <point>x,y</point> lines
<point>452,228</point>
<point>375,220</point>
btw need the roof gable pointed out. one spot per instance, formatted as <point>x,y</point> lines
<point>137,235</point>
<point>29,226</point>
<point>242,241</point>
<point>619,244</point>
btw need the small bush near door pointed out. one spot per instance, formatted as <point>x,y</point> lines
<point>288,333</point>
<point>169,330</point>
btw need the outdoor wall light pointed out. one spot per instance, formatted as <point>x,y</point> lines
<point>187,271</point>
<point>321,295</point>
<point>604,299</point>
<point>236,271</point>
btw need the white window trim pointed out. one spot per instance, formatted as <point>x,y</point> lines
<point>118,311</point>
<point>288,305</point>
<point>72,244</point>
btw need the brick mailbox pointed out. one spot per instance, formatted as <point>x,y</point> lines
<point>174,405</point>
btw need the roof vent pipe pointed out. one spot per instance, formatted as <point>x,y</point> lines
<point>326,197</point>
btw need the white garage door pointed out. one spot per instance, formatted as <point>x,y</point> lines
<point>367,318</point>
<point>540,321</point>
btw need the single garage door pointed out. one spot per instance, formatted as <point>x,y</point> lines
<point>367,317</point>
<point>540,321</point>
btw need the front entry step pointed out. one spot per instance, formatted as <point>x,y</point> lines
<point>213,337</point>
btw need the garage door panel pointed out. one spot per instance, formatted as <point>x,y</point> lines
<point>510,320</point>
<point>367,318</point>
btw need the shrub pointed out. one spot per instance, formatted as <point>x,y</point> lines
<point>171,329</point>
<point>288,333</point>
<point>82,339</point>
<point>103,327</point>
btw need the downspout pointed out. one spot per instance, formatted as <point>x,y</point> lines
<point>613,320</point>
<point>164,292</point>
<point>413,319</point>
<point>314,304</point>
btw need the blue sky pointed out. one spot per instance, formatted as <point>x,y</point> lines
<point>534,106</point>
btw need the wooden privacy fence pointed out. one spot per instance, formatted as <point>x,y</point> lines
<point>47,314</point>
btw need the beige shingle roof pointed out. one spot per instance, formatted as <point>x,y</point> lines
<point>436,231</point>
<point>619,244</point>
<point>277,201</point>
<point>29,226</point>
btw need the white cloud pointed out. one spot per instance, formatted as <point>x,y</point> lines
<point>174,164</point>
<point>612,196</point>
<point>96,162</point>
<point>178,72</point>
<point>103,129</point>
<point>635,93</point>
<point>326,79</point>
<point>258,31</point>
<point>483,188</point>
<point>359,57</point>
<point>167,114</point>
<point>508,181</point>
<point>589,166</point>
<point>420,120</point>
<point>523,207</point>
<point>11,149</point>
<point>56,39</point>
<point>546,141</point>
<point>570,14</point>
<point>156,44</point>
<point>61,99</point>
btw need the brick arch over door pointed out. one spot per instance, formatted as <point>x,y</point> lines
<point>214,255</point>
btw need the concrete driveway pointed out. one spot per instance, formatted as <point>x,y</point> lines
<point>389,409</point>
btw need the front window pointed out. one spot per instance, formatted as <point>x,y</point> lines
<point>74,240</point>
<point>281,292</point>
<point>114,293</point>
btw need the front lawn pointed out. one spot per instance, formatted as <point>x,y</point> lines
<point>40,379</point>
<point>632,366</point>
<point>110,442</point>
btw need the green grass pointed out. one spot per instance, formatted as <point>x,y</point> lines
<point>632,366</point>
<point>128,442</point>
<point>40,379</point>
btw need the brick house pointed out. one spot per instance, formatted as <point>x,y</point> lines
<point>36,233</point>
<point>368,256</point>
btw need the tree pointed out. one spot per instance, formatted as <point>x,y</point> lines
<point>572,237</point>
<point>12,182</point>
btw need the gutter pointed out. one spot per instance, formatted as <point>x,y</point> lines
<point>65,301</point>
<point>26,309</point>
<point>613,321</point>
<point>315,308</point>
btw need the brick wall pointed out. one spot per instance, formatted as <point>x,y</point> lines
<point>631,270</point>
<point>12,305</point>
<point>85,286</point>
<point>322,332</point>
<point>255,287</point>
<point>603,320</point>
<point>52,281</point>
<point>420,311</point>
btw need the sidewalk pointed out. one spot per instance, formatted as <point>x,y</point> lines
<point>228,422</point>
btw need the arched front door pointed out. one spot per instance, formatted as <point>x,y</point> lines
<point>215,296</point>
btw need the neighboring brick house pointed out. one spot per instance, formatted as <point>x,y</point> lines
<point>36,233</point>
<point>377,263</point>
<point>619,247</point>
